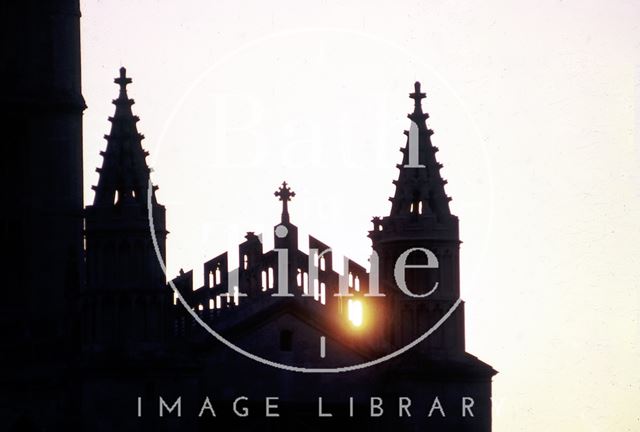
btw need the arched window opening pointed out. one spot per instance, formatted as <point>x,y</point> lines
<point>218,276</point>
<point>264,280</point>
<point>316,290</point>
<point>236,295</point>
<point>305,282</point>
<point>323,293</point>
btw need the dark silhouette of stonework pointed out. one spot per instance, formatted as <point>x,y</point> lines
<point>87,330</point>
<point>41,220</point>
<point>125,304</point>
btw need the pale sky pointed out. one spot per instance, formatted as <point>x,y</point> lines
<point>534,112</point>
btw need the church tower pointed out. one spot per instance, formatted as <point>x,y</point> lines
<point>126,305</point>
<point>41,170</point>
<point>41,108</point>
<point>419,242</point>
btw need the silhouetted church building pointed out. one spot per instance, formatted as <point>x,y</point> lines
<point>95,341</point>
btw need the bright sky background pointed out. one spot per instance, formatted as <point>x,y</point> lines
<point>535,113</point>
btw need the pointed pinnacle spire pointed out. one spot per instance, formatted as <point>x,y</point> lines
<point>124,176</point>
<point>284,194</point>
<point>419,187</point>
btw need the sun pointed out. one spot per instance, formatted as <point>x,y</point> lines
<point>355,312</point>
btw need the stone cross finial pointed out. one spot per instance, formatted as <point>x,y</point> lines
<point>122,80</point>
<point>417,97</point>
<point>284,194</point>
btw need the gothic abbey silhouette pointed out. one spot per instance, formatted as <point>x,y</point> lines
<point>93,339</point>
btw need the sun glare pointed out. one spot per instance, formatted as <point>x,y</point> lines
<point>354,308</point>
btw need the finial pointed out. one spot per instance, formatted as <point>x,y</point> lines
<point>122,81</point>
<point>284,194</point>
<point>417,97</point>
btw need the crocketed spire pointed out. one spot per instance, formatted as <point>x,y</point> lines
<point>420,187</point>
<point>124,176</point>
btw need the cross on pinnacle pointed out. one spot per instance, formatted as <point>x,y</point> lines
<point>417,97</point>
<point>122,81</point>
<point>284,194</point>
